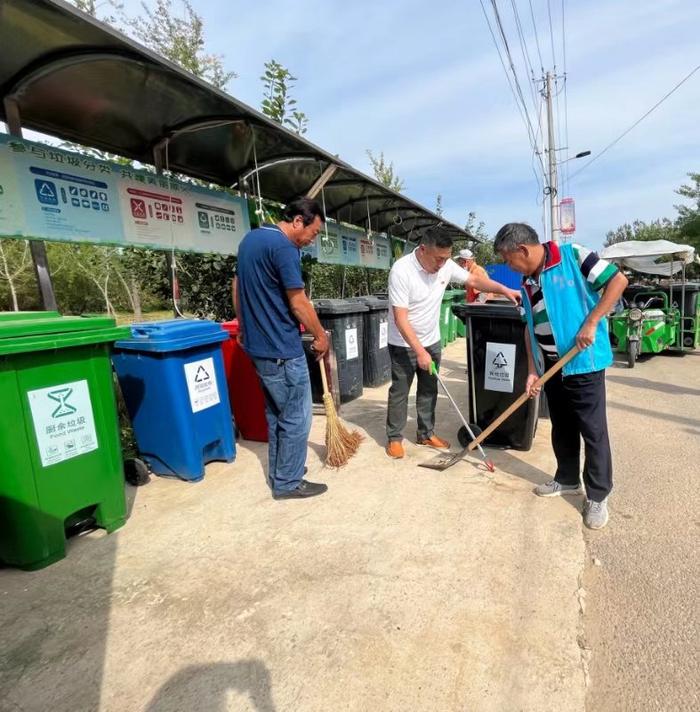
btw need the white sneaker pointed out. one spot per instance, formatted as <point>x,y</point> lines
<point>595,514</point>
<point>555,489</point>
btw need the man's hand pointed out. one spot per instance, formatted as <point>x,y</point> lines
<point>424,360</point>
<point>530,387</point>
<point>513,295</point>
<point>320,345</point>
<point>586,335</point>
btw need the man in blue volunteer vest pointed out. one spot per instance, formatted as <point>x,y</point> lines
<point>567,292</point>
<point>270,302</point>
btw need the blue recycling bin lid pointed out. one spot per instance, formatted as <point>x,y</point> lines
<point>172,335</point>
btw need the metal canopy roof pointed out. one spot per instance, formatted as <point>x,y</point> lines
<point>66,74</point>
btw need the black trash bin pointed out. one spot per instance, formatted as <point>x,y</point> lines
<point>497,366</point>
<point>344,319</point>
<point>376,363</point>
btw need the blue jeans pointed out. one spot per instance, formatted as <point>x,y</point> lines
<point>287,389</point>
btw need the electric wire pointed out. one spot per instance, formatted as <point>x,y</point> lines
<point>537,39</point>
<point>637,122</point>
<point>566,98</point>
<point>525,54</point>
<point>551,36</point>
<point>510,83</point>
<point>516,81</point>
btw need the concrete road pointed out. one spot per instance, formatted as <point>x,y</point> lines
<point>400,589</point>
<point>643,608</point>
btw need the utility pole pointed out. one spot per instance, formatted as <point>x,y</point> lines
<point>552,154</point>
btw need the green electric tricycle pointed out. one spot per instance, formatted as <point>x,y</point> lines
<point>662,317</point>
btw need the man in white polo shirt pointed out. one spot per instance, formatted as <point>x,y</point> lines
<point>417,283</point>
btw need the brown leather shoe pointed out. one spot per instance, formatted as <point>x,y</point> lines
<point>395,449</point>
<point>435,441</point>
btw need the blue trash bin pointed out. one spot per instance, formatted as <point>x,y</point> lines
<point>171,374</point>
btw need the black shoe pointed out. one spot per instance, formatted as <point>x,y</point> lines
<point>305,489</point>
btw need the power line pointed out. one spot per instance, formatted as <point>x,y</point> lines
<point>551,36</point>
<point>558,91</point>
<point>537,40</point>
<point>522,109</point>
<point>525,53</point>
<point>639,121</point>
<point>566,98</point>
<point>512,68</point>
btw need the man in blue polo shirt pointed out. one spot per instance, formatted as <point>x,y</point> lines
<point>270,302</point>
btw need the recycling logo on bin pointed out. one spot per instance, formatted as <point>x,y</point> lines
<point>201,384</point>
<point>499,367</point>
<point>64,424</point>
<point>351,346</point>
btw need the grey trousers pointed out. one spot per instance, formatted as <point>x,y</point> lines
<point>404,365</point>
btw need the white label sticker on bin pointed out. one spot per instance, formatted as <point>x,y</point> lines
<point>383,334</point>
<point>499,367</point>
<point>201,384</point>
<point>351,350</point>
<point>63,421</point>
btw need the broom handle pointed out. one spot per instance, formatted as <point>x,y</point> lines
<point>324,380</point>
<point>524,397</point>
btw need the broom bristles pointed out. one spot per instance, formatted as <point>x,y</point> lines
<point>341,444</point>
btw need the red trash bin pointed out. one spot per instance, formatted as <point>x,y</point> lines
<point>244,390</point>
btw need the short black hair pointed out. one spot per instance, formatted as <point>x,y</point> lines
<point>434,237</point>
<point>308,208</point>
<point>513,234</point>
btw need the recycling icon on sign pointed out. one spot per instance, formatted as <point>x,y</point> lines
<point>500,360</point>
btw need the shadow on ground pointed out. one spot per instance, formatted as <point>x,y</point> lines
<point>206,687</point>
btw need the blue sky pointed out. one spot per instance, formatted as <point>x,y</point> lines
<point>423,83</point>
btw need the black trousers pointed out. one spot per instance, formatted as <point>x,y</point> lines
<point>577,410</point>
<point>404,365</point>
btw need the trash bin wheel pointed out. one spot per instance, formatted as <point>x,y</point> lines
<point>136,472</point>
<point>464,437</point>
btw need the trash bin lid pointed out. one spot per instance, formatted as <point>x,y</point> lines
<point>172,335</point>
<point>231,327</point>
<point>338,306</point>
<point>22,315</point>
<point>489,311</point>
<point>53,331</point>
<point>373,303</point>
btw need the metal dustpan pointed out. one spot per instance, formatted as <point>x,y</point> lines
<point>444,460</point>
<point>468,434</point>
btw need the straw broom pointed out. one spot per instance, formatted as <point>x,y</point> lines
<point>341,444</point>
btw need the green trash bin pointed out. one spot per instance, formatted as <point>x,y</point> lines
<point>59,435</point>
<point>445,317</point>
<point>452,324</point>
<point>458,297</point>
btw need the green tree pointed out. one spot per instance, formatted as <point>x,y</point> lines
<point>277,101</point>
<point>384,172</point>
<point>15,263</point>
<point>688,221</point>
<point>92,6</point>
<point>438,205</point>
<point>179,39</point>
<point>482,246</point>
<point>661,229</point>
